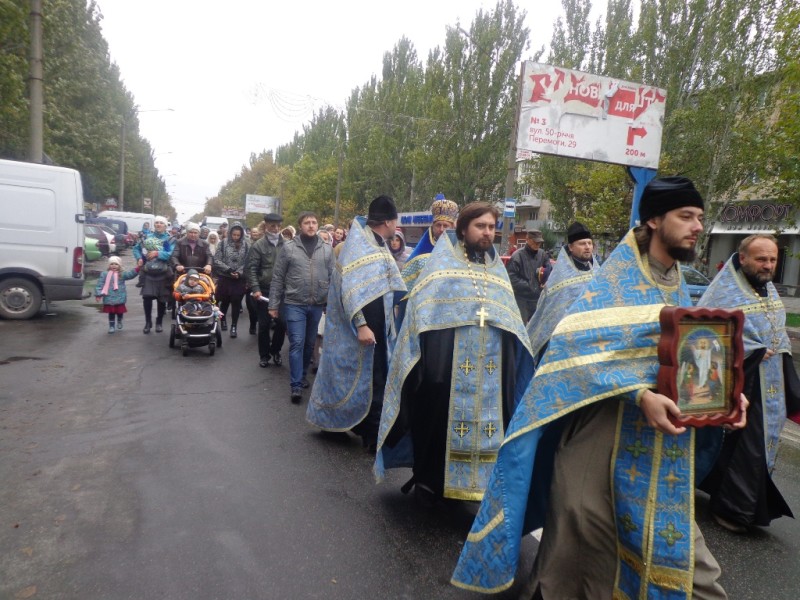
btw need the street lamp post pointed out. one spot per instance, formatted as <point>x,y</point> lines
<point>121,198</point>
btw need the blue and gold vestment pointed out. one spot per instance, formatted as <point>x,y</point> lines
<point>764,327</point>
<point>365,271</point>
<point>445,297</point>
<point>417,259</point>
<point>604,348</point>
<point>565,283</point>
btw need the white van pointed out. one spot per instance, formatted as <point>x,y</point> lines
<point>134,220</point>
<point>213,223</point>
<point>41,237</point>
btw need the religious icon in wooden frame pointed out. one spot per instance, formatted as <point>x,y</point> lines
<point>702,356</point>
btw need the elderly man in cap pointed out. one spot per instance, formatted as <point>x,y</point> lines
<point>591,454</point>
<point>258,269</point>
<point>191,252</point>
<point>359,329</point>
<point>526,270</point>
<point>573,271</point>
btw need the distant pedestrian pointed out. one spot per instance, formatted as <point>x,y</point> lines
<point>525,272</point>
<point>213,241</point>
<point>256,233</point>
<point>288,232</point>
<point>232,283</point>
<point>153,255</point>
<point>110,290</point>
<point>338,236</point>
<point>259,268</point>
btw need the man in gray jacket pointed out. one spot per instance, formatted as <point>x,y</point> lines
<point>258,269</point>
<point>524,270</point>
<point>300,281</point>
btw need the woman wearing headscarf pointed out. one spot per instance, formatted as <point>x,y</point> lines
<point>229,263</point>
<point>397,246</point>
<point>213,242</point>
<point>152,255</point>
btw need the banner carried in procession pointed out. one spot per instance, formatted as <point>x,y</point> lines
<point>579,115</point>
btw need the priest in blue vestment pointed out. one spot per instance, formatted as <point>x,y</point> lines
<point>743,493</point>
<point>590,454</point>
<point>450,391</point>
<point>359,328</point>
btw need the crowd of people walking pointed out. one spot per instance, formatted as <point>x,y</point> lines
<point>531,388</point>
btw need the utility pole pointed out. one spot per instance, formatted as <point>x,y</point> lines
<point>511,173</point>
<point>121,196</point>
<point>35,85</point>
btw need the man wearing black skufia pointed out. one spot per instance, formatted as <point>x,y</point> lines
<point>743,493</point>
<point>525,270</point>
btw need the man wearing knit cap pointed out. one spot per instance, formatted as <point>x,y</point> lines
<point>527,270</point>
<point>359,329</point>
<point>571,274</point>
<point>591,455</point>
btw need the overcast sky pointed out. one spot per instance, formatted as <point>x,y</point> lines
<point>242,76</point>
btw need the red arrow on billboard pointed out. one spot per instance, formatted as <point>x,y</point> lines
<point>634,132</point>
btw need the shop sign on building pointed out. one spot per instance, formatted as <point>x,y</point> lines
<point>261,204</point>
<point>580,115</point>
<point>757,216</point>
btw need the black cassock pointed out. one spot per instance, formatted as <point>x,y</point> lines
<point>740,485</point>
<point>425,404</point>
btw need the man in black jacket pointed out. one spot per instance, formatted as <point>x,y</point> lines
<point>524,270</point>
<point>258,269</point>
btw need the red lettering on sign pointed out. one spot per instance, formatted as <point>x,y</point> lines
<point>631,103</point>
<point>541,82</point>
<point>559,79</point>
<point>582,92</point>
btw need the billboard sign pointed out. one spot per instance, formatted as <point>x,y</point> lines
<point>261,204</point>
<point>579,115</point>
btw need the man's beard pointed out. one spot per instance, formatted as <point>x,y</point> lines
<point>757,280</point>
<point>674,249</point>
<point>480,246</point>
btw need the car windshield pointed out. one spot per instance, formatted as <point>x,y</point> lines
<point>693,277</point>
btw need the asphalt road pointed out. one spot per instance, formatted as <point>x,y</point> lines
<point>129,471</point>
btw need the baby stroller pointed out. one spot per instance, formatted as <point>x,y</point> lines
<point>195,317</point>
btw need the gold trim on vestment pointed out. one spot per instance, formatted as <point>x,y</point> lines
<point>609,317</point>
<point>488,528</point>
<point>365,260</point>
<point>610,355</point>
<point>452,273</point>
<point>572,407</point>
<point>482,590</point>
<point>587,276</point>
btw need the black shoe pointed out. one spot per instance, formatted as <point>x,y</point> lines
<point>233,331</point>
<point>264,362</point>
<point>147,327</point>
<point>304,383</point>
<point>276,358</point>
<point>223,325</point>
<point>252,330</point>
<point>159,328</point>
<point>297,395</point>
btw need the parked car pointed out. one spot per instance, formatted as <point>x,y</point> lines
<point>695,281</point>
<point>102,238</point>
<point>90,250</point>
<point>119,227</point>
<point>112,238</point>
